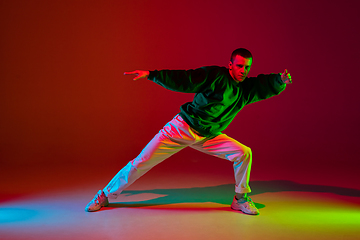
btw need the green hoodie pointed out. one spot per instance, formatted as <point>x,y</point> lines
<point>218,96</point>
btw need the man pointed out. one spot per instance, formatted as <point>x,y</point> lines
<point>220,94</point>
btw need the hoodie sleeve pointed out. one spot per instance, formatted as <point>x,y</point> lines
<point>187,81</point>
<point>264,86</point>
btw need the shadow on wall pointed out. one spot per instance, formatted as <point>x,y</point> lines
<point>220,194</point>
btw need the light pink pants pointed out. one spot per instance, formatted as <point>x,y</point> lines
<point>175,136</point>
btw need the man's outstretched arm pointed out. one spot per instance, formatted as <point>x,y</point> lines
<point>267,85</point>
<point>187,81</point>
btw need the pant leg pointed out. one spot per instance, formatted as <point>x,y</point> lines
<point>175,136</point>
<point>225,147</point>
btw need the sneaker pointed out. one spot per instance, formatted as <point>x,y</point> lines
<point>99,201</point>
<point>246,205</point>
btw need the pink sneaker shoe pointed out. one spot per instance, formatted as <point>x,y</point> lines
<point>99,201</point>
<point>246,205</point>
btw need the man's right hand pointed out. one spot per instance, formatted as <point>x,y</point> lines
<point>139,74</point>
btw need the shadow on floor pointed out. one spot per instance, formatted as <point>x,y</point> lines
<point>222,194</point>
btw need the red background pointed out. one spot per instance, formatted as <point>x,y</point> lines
<point>65,101</point>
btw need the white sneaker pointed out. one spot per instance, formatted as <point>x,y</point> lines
<point>99,201</point>
<point>246,205</point>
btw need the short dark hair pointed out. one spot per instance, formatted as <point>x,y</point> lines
<point>242,52</point>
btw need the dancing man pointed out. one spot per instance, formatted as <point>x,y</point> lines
<point>220,93</point>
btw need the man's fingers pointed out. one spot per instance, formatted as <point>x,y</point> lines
<point>286,77</point>
<point>139,74</point>
<point>286,74</point>
<point>289,77</point>
<point>129,73</point>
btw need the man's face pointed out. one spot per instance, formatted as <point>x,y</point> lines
<point>240,68</point>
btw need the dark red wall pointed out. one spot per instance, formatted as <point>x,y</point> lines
<point>64,97</point>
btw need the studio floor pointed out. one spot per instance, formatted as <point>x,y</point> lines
<point>42,202</point>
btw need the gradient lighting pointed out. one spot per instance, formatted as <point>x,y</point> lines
<point>320,214</point>
<point>70,119</point>
<point>11,215</point>
<point>161,213</point>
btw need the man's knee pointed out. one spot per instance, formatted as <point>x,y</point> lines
<point>248,151</point>
<point>244,155</point>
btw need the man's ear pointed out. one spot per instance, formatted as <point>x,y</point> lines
<point>230,65</point>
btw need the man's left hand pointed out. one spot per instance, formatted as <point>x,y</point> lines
<point>286,77</point>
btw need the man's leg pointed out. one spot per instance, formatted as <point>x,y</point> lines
<point>225,147</point>
<point>157,150</point>
<point>174,136</point>
<point>228,148</point>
